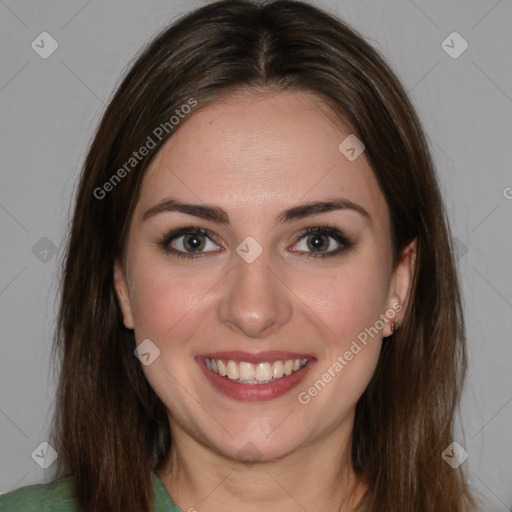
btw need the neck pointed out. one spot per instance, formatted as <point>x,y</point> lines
<point>316,478</point>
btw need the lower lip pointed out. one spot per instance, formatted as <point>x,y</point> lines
<point>255,392</point>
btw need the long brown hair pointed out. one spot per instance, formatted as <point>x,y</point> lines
<point>111,429</point>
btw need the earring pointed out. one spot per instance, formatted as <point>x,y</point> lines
<point>394,327</point>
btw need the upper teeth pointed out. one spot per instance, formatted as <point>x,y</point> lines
<point>260,373</point>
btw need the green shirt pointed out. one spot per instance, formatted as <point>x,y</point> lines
<point>57,497</point>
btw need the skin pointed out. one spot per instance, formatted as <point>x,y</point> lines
<point>255,155</point>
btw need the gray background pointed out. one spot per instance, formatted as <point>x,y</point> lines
<point>49,111</point>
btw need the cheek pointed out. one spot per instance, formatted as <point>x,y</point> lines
<point>163,302</point>
<point>349,304</point>
<point>349,300</point>
<point>167,309</point>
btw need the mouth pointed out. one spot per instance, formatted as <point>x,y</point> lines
<point>263,372</point>
<point>254,377</point>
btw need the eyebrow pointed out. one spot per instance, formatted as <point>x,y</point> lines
<point>220,216</point>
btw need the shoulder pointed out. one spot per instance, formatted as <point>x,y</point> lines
<point>57,496</point>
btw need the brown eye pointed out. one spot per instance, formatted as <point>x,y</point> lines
<point>318,242</point>
<point>322,242</point>
<point>189,242</point>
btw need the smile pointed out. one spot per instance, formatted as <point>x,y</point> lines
<point>252,377</point>
<point>264,372</point>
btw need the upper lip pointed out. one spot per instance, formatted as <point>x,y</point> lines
<point>256,357</point>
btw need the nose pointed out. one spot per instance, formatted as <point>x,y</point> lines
<point>254,300</point>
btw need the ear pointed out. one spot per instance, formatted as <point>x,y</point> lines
<point>123,297</point>
<point>400,286</point>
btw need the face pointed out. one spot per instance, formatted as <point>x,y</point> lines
<point>259,266</point>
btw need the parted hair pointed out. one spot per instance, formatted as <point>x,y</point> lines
<point>111,429</point>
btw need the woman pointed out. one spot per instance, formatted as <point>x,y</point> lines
<point>260,308</point>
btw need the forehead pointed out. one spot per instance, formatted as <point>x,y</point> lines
<point>261,152</point>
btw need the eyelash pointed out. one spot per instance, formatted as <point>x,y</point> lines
<point>325,229</point>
